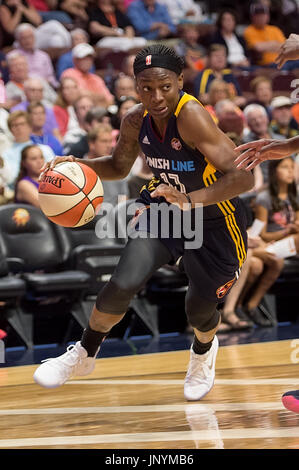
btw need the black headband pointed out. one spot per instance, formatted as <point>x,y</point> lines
<point>154,60</point>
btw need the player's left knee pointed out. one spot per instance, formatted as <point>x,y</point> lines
<point>202,314</point>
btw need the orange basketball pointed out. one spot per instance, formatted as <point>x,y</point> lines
<point>71,194</point>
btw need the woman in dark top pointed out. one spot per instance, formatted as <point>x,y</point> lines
<point>226,35</point>
<point>13,13</point>
<point>106,20</point>
<point>26,188</point>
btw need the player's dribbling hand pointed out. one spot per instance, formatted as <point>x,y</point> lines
<point>50,165</point>
<point>171,195</point>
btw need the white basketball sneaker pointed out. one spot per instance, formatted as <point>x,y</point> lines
<point>55,372</point>
<point>201,373</point>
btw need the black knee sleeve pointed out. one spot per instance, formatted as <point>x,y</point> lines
<point>140,259</point>
<point>201,313</point>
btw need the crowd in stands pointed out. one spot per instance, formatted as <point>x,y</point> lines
<point>67,79</point>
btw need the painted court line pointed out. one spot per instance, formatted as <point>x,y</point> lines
<point>197,409</point>
<point>286,381</point>
<point>203,435</point>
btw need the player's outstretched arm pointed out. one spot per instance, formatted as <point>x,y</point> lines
<point>119,164</point>
<point>288,51</point>
<point>253,153</point>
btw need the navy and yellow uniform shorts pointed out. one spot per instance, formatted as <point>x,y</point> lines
<point>214,267</point>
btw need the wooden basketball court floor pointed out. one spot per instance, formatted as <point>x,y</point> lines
<point>137,402</point>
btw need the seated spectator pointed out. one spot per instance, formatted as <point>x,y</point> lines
<point>111,28</point>
<point>83,58</point>
<point>226,23</point>
<point>217,68</point>
<point>262,89</point>
<point>75,141</point>
<point>48,11</point>
<point>283,122</point>
<point>183,11</point>
<point>262,39</point>
<point>65,61</point>
<point>278,208</point>
<point>219,90</point>
<point>39,62</point>
<point>124,86</point>
<point>6,193</point>
<point>33,89</point>
<point>151,20</point>
<point>13,13</point>
<point>63,109</point>
<point>259,128</point>
<point>19,125</point>
<point>125,103</point>
<point>26,187</point>
<point>100,141</point>
<point>127,65</point>
<point>6,137</point>
<point>76,9</point>
<point>18,74</point>
<point>4,74</point>
<point>230,119</point>
<point>188,47</point>
<point>37,116</point>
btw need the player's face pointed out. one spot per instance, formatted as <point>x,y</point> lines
<point>285,171</point>
<point>158,90</point>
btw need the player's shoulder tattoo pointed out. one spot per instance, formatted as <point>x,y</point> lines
<point>133,119</point>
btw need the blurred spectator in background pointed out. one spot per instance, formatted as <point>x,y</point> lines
<point>6,137</point>
<point>81,106</point>
<point>111,28</point>
<point>76,9</point>
<point>230,119</point>
<point>127,65</point>
<point>37,116</point>
<point>63,108</point>
<point>33,89</point>
<point>19,125</point>
<point>48,10</point>
<point>262,90</point>
<point>219,90</point>
<point>4,75</point>
<point>283,122</point>
<point>100,142</point>
<point>18,75</point>
<point>65,61</point>
<point>237,53</point>
<point>262,39</point>
<point>83,58</point>
<point>39,62</point>
<point>125,103</point>
<point>284,14</point>
<point>188,47</point>
<point>6,193</point>
<point>217,68</point>
<point>26,187</point>
<point>183,11</point>
<point>258,124</point>
<point>151,20</point>
<point>124,86</point>
<point>13,13</point>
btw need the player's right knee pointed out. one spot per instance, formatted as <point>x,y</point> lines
<point>115,297</point>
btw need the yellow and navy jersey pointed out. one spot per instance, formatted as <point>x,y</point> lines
<point>173,162</point>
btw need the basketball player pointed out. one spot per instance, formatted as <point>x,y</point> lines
<point>193,162</point>
<point>253,153</point>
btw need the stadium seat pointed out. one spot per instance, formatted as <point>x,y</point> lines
<point>12,290</point>
<point>40,252</point>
